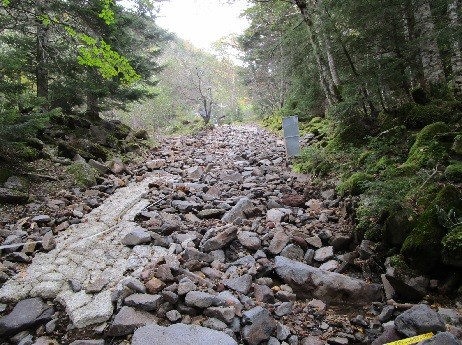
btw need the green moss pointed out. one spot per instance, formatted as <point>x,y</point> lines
<point>457,145</point>
<point>454,172</point>
<point>314,160</point>
<point>418,116</point>
<point>427,150</point>
<point>273,122</point>
<point>374,233</point>
<point>423,245</point>
<point>317,126</point>
<point>84,175</point>
<point>398,261</point>
<point>452,247</point>
<point>355,184</point>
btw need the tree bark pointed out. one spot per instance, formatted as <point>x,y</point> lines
<point>431,60</point>
<point>456,57</point>
<point>41,51</point>
<point>330,89</point>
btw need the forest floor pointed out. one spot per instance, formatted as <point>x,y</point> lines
<point>211,240</point>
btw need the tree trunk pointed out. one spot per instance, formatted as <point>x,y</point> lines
<point>456,57</point>
<point>330,89</point>
<point>431,60</point>
<point>41,51</point>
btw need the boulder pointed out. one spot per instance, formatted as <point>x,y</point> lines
<point>443,338</point>
<point>12,196</point>
<point>332,288</point>
<point>26,314</point>
<point>128,319</point>
<point>418,320</point>
<point>259,325</point>
<point>218,238</point>
<point>180,334</point>
<point>238,211</point>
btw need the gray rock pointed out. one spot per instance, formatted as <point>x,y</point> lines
<point>134,284</point>
<point>185,285</point>
<point>282,331</point>
<point>11,196</point>
<point>183,205</point>
<point>195,172</point>
<point>293,252</point>
<point>48,242</point>
<point>136,237</point>
<point>180,334</point>
<point>238,211</point>
<point>389,335</point>
<point>200,299</point>
<point>443,338</point>
<point>386,314</point>
<point>155,164</point>
<point>309,256</point>
<point>173,315</point>
<point>41,219</point>
<point>225,314</point>
<point>97,285</point>
<point>330,265</point>
<point>88,342</point>
<point>263,294</point>
<point>218,238</point>
<point>194,254</point>
<point>100,167</point>
<point>211,213</point>
<point>311,340</point>
<point>276,215</point>
<point>215,324</point>
<point>311,282</point>
<point>338,341</point>
<point>143,301</point>
<point>26,314</point>
<point>284,309</point>
<point>259,325</point>
<point>127,320</point>
<point>451,316</point>
<point>405,289</point>
<point>366,249</point>
<point>240,284</point>
<point>279,242</point>
<point>324,254</point>
<point>116,165</point>
<point>418,320</point>
<point>249,240</point>
<point>314,241</point>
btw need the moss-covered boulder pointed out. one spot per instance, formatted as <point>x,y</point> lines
<point>452,247</point>
<point>428,149</point>
<point>457,145</point>
<point>453,172</point>
<point>398,226</point>
<point>84,175</point>
<point>423,245</point>
<point>5,173</point>
<point>417,116</point>
<point>355,184</point>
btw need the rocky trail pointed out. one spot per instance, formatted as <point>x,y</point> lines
<point>213,240</point>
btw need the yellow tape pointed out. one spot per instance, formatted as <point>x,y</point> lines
<point>412,340</point>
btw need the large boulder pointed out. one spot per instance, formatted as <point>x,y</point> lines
<point>26,314</point>
<point>418,320</point>
<point>180,334</point>
<point>334,288</point>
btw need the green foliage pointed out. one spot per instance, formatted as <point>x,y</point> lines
<point>314,160</point>
<point>416,116</point>
<point>106,13</point>
<point>452,247</point>
<point>356,184</point>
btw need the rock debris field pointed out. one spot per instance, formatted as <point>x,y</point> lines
<point>214,240</point>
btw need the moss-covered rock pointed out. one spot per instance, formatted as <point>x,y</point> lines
<point>355,184</point>
<point>398,226</point>
<point>452,247</point>
<point>453,172</point>
<point>427,149</point>
<point>423,245</point>
<point>457,145</point>
<point>84,175</point>
<point>417,116</point>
